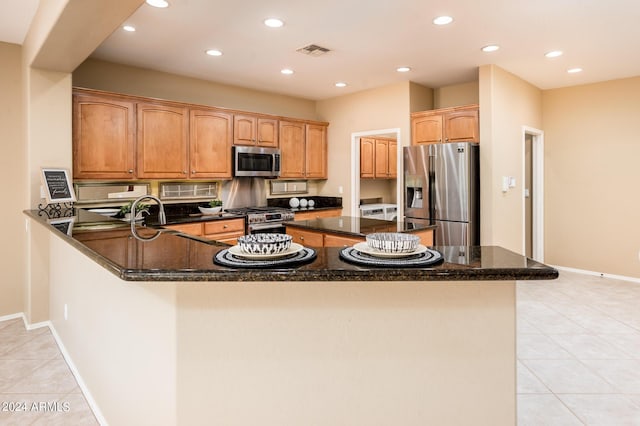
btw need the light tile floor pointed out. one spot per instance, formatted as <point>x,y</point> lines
<point>578,360</point>
<point>36,385</point>
<point>578,351</point>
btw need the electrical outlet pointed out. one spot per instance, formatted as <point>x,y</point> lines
<point>66,312</point>
<point>340,190</point>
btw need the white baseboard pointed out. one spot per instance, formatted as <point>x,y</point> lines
<point>598,274</point>
<point>81,384</point>
<point>11,317</point>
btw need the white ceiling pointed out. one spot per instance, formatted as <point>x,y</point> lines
<point>370,38</point>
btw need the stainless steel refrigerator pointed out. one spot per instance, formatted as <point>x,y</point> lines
<point>442,187</point>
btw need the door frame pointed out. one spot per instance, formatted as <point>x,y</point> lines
<point>537,201</point>
<point>355,169</point>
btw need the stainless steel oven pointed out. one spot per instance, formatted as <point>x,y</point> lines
<point>249,161</point>
<point>267,228</point>
<point>264,220</point>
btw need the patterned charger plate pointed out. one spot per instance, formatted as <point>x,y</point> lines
<point>416,260</point>
<point>300,257</point>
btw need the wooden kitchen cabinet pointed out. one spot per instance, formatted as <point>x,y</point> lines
<point>162,141</point>
<point>224,230</point>
<point>378,158</point>
<point>255,131</point>
<point>103,137</point>
<point>386,156</point>
<point>292,149</point>
<point>367,158</point>
<point>316,151</point>
<point>306,238</point>
<point>303,148</point>
<point>210,140</point>
<point>194,228</point>
<point>317,214</point>
<point>447,125</point>
<point>335,240</point>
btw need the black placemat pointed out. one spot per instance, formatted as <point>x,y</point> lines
<point>225,258</point>
<point>429,257</point>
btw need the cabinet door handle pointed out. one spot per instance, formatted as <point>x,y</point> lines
<point>130,170</point>
<point>301,238</point>
<point>184,172</point>
<point>193,171</point>
<point>225,226</point>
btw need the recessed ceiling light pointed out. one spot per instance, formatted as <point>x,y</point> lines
<point>574,70</point>
<point>553,54</point>
<point>286,71</point>
<point>158,3</point>
<point>443,20</point>
<point>403,69</point>
<point>129,28</point>
<point>491,48</point>
<point>273,22</point>
<point>213,52</point>
<point>341,84</point>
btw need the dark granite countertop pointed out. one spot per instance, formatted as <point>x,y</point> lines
<point>166,255</point>
<point>358,226</point>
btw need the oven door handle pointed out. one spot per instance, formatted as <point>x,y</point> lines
<point>261,226</point>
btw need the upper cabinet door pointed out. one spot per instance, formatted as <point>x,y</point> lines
<point>462,126</point>
<point>292,149</point>
<point>393,159</point>
<point>316,151</point>
<point>382,158</point>
<point>244,129</point>
<point>427,129</point>
<point>210,139</point>
<point>103,138</point>
<point>367,156</point>
<point>267,132</point>
<point>162,141</point>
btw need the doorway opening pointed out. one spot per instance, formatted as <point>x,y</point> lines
<point>355,167</point>
<point>533,193</point>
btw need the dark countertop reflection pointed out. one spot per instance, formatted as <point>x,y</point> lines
<point>358,226</point>
<point>165,255</point>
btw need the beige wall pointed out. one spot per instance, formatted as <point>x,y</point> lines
<point>507,103</point>
<point>456,95</point>
<point>592,200</point>
<point>420,97</point>
<point>12,172</point>
<point>102,75</point>
<point>383,108</point>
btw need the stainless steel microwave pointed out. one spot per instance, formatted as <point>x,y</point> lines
<point>256,161</point>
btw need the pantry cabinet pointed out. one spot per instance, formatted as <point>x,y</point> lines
<point>447,125</point>
<point>103,137</point>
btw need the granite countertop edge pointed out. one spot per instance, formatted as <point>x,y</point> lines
<point>441,272</point>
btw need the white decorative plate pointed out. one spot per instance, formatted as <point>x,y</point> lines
<point>105,212</point>
<point>293,249</point>
<point>364,248</point>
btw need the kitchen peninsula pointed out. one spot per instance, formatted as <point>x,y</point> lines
<point>161,335</point>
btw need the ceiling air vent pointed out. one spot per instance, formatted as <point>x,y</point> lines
<point>313,50</point>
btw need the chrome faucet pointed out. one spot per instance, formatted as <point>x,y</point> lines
<point>162,218</point>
